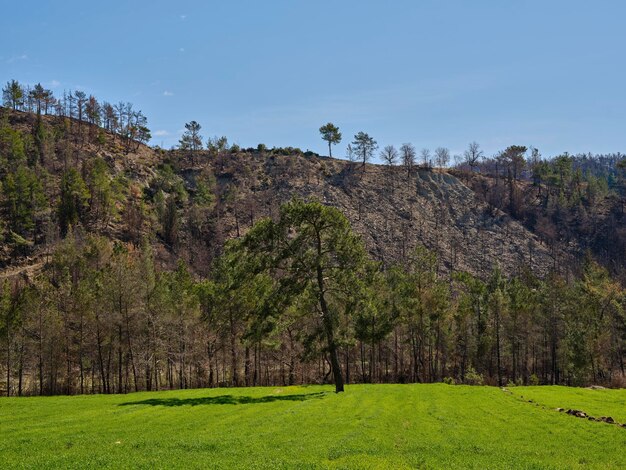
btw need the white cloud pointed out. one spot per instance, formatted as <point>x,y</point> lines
<point>183,17</point>
<point>161,133</point>
<point>168,93</point>
<point>182,49</point>
<point>54,83</point>
<point>17,58</point>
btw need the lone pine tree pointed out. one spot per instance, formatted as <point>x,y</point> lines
<point>316,259</point>
<point>330,133</point>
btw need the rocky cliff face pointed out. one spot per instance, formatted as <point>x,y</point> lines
<point>391,210</point>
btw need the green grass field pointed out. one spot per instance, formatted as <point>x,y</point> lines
<point>369,426</point>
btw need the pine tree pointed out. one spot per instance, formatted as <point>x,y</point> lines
<point>330,133</point>
<point>191,139</point>
<point>317,260</point>
<point>13,95</point>
<point>73,201</point>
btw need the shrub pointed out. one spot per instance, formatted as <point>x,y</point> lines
<point>473,378</point>
<point>449,381</point>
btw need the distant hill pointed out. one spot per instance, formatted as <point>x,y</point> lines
<point>112,279</point>
<point>215,196</point>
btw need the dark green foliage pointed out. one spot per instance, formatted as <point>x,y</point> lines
<point>12,147</point>
<point>23,199</point>
<point>13,94</point>
<point>101,191</point>
<point>170,222</point>
<point>316,259</point>
<point>169,182</point>
<point>73,201</point>
<point>293,301</point>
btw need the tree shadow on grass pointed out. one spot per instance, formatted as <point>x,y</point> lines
<point>224,400</point>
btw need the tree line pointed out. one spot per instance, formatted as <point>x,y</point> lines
<point>280,306</point>
<point>121,119</point>
<point>298,300</point>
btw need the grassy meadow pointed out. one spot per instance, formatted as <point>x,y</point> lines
<point>368,426</point>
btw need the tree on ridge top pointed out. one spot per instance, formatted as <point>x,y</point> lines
<point>330,133</point>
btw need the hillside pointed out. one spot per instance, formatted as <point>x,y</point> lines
<point>117,274</point>
<point>582,213</point>
<point>392,211</point>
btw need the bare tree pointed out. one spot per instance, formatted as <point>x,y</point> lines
<point>534,163</point>
<point>109,118</point>
<point>442,157</point>
<point>121,115</point>
<point>472,155</point>
<point>350,155</point>
<point>425,158</point>
<point>389,155</point>
<point>407,152</point>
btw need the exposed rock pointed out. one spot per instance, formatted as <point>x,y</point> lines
<point>577,413</point>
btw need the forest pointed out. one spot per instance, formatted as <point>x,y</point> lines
<point>96,297</point>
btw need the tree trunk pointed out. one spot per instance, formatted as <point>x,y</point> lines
<point>328,328</point>
<point>130,350</point>
<point>80,355</point>
<point>8,360</point>
<point>233,352</point>
<point>498,347</point>
<point>20,373</point>
<point>40,362</point>
<point>119,359</point>
<point>347,365</point>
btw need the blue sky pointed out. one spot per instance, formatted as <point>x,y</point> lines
<point>436,73</point>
